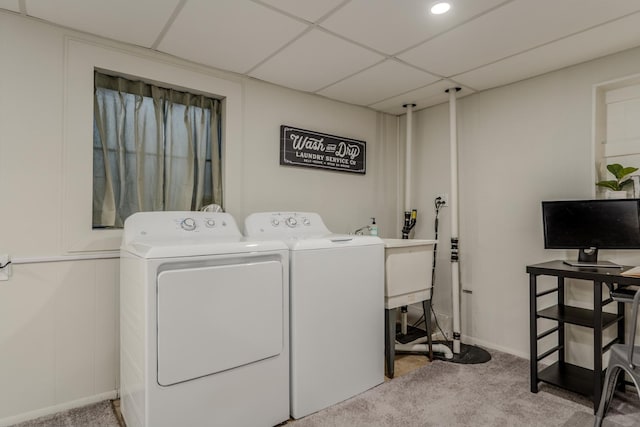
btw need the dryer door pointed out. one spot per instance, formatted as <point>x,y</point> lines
<point>211,319</point>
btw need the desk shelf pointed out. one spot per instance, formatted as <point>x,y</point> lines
<point>571,377</point>
<point>577,316</point>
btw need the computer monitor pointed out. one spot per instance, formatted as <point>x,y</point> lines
<point>590,225</point>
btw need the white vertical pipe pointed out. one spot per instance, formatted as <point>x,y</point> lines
<point>407,186</point>
<point>407,162</point>
<point>453,206</point>
<point>399,185</point>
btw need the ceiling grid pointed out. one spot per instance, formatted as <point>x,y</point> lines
<point>379,54</point>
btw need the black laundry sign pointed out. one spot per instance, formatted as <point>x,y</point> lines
<point>299,147</point>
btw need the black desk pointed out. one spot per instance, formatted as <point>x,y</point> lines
<point>562,374</point>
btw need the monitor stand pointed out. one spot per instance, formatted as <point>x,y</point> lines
<point>589,258</point>
<point>605,264</point>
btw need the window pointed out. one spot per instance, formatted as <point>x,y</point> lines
<point>154,149</point>
<point>616,137</point>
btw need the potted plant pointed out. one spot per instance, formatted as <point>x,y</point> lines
<point>616,187</point>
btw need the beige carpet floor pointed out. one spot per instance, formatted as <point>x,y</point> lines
<point>101,414</point>
<point>454,395</point>
<point>434,394</point>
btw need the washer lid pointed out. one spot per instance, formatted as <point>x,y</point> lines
<point>331,241</point>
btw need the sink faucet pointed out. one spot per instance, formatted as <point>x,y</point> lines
<point>360,231</point>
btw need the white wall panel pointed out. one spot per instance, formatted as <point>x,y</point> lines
<point>106,326</point>
<point>31,135</point>
<point>12,5</point>
<point>27,340</point>
<point>57,337</point>
<point>74,333</point>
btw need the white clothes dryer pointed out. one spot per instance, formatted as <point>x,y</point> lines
<point>337,308</point>
<point>204,323</point>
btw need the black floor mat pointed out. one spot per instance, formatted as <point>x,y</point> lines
<point>412,334</point>
<point>469,354</point>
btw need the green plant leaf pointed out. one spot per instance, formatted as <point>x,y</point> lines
<point>615,169</point>
<point>612,185</point>
<point>624,183</point>
<point>626,171</point>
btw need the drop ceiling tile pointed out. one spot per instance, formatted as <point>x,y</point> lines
<point>511,29</point>
<point>427,96</point>
<point>310,10</point>
<point>377,83</point>
<point>138,22</point>
<point>481,43</point>
<point>12,5</point>
<point>600,41</point>
<point>232,35</point>
<point>315,61</point>
<point>391,26</point>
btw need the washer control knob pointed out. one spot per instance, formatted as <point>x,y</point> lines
<point>275,222</point>
<point>188,224</point>
<point>306,221</point>
<point>210,223</point>
<point>292,222</point>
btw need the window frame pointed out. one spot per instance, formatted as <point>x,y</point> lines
<point>599,140</point>
<point>81,58</point>
<point>110,84</point>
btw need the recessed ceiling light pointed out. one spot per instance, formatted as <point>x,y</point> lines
<point>440,8</point>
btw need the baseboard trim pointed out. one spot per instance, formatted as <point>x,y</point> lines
<point>489,345</point>
<point>49,410</point>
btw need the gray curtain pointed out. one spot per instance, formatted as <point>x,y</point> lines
<point>154,149</point>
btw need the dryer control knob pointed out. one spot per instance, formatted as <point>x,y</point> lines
<point>292,222</point>
<point>188,224</point>
<point>275,222</point>
<point>210,223</point>
<point>306,221</point>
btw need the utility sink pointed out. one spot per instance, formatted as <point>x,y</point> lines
<point>408,264</point>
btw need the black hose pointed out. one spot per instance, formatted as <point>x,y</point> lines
<point>439,203</point>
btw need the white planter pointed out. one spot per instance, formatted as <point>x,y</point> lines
<point>610,194</point>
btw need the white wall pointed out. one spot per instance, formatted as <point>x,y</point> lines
<point>59,320</point>
<point>345,201</point>
<point>58,329</point>
<point>518,145</point>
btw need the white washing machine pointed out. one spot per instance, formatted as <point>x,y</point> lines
<point>337,308</point>
<point>204,323</point>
